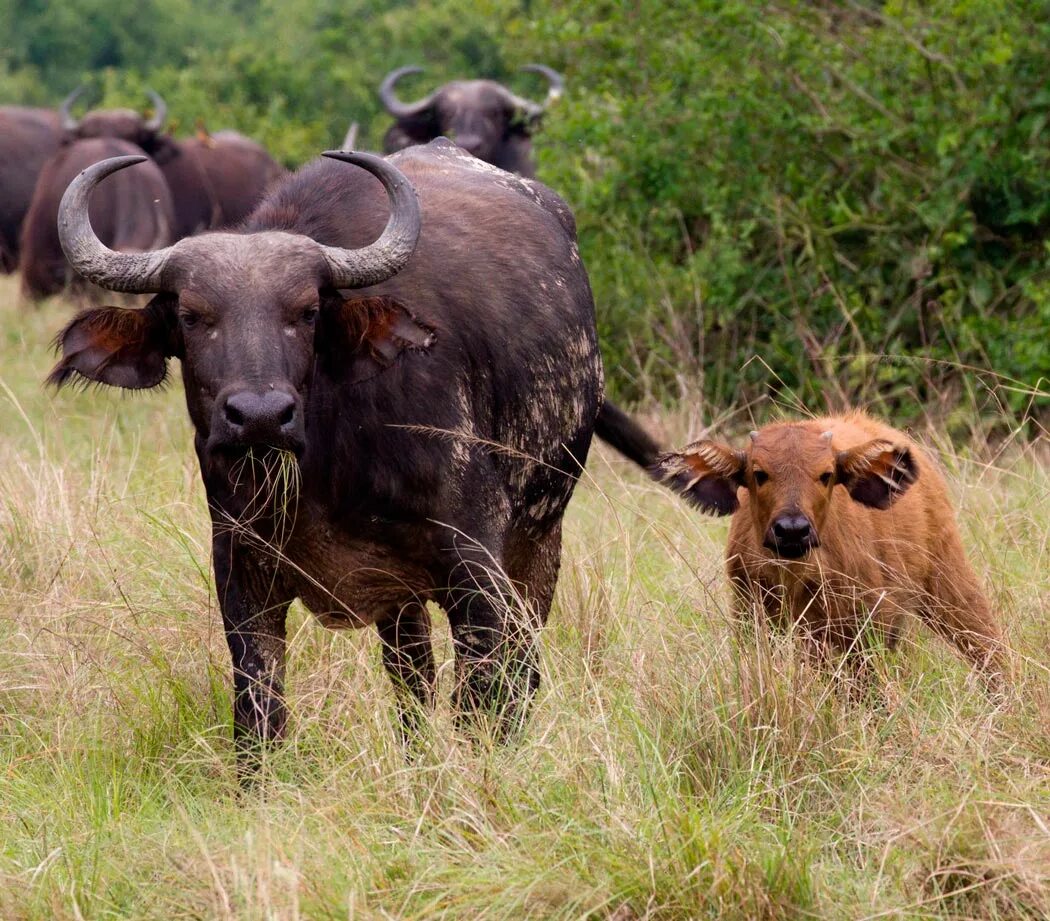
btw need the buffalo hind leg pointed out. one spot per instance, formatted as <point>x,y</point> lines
<point>255,633</point>
<point>494,643</point>
<point>408,655</point>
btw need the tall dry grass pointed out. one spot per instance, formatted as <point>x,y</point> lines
<point>670,769</point>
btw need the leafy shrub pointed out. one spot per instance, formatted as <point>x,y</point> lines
<point>840,201</point>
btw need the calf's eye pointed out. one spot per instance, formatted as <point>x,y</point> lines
<point>825,478</point>
<point>761,477</point>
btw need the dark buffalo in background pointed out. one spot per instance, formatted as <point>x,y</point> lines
<point>481,116</point>
<point>238,172</point>
<point>133,213</point>
<point>28,137</point>
<point>194,203</point>
<point>126,124</point>
<point>215,180</point>
<point>439,416</point>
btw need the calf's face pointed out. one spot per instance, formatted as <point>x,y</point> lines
<point>791,473</point>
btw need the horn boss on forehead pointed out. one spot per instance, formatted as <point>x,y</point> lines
<point>146,273</point>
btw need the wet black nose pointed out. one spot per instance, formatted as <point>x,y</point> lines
<point>792,529</point>
<point>791,536</point>
<point>263,417</point>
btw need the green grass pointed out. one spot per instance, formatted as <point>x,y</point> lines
<point>669,771</point>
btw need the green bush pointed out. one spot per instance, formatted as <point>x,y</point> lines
<point>836,200</point>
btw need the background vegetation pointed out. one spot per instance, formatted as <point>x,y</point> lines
<point>833,200</point>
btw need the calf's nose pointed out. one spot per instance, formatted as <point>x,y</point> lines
<point>793,529</point>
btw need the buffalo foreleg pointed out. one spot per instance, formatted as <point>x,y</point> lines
<point>408,656</point>
<point>255,631</point>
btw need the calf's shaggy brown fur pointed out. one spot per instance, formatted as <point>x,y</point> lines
<point>841,526</point>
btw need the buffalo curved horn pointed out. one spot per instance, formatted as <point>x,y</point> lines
<point>395,106</point>
<point>555,82</point>
<point>133,273</point>
<point>69,123</point>
<point>531,111</point>
<point>358,268</point>
<point>160,112</point>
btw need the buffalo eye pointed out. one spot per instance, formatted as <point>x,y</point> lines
<point>190,318</point>
<point>825,478</point>
<point>761,477</point>
<point>309,316</point>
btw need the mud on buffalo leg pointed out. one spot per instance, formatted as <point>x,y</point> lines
<point>255,633</point>
<point>408,656</point>
<point>494,642</point>
<point>533,563</point>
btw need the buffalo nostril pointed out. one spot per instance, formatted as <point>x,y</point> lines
<point>233,415</point>
<point>287,415</point>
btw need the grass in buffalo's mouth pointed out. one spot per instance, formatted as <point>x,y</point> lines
<point>671,768</point>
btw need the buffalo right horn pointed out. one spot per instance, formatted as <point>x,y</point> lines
<point>358,268</point>
<point>69,123</point>
<point>160,112</point>
<point>133,273</point>
<point>555,81</point>
<point>395,106</point>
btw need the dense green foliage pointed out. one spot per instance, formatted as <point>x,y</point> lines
<point>836,199</point>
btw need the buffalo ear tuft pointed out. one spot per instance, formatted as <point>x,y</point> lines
<point>876,473</point>
<point>116,346</point>
<point>706,474</point>
<point>362,336</point>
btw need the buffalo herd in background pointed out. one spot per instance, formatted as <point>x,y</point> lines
<point>207,181</point>
<point>429,357</point>
<point>199,183</point>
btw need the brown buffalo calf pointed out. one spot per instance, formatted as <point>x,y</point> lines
<point>840,524</point>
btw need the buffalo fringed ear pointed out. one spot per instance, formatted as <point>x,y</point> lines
<point>362,336</point>
<point>118,346</point>
<point>877,472</point>
<point>706,473</point>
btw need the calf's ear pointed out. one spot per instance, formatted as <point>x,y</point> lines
<point>362,336</point>
<point>877,472</point>
<point>118,346</point>
<point>706,473</point>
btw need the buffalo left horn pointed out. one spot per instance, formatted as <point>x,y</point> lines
<point>133,273</point>
<point>160,112</point>
<point>69,123</point>
<point>358,268</point>
<point>395,106</point>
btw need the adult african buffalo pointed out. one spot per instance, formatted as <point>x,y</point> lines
<point>28,137</point>
<point>131,214</point>
<point>195,202</point>
<point>481,116</point>
<point>238,171</point>
<point>126,124</point>
<point>426,429</point>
